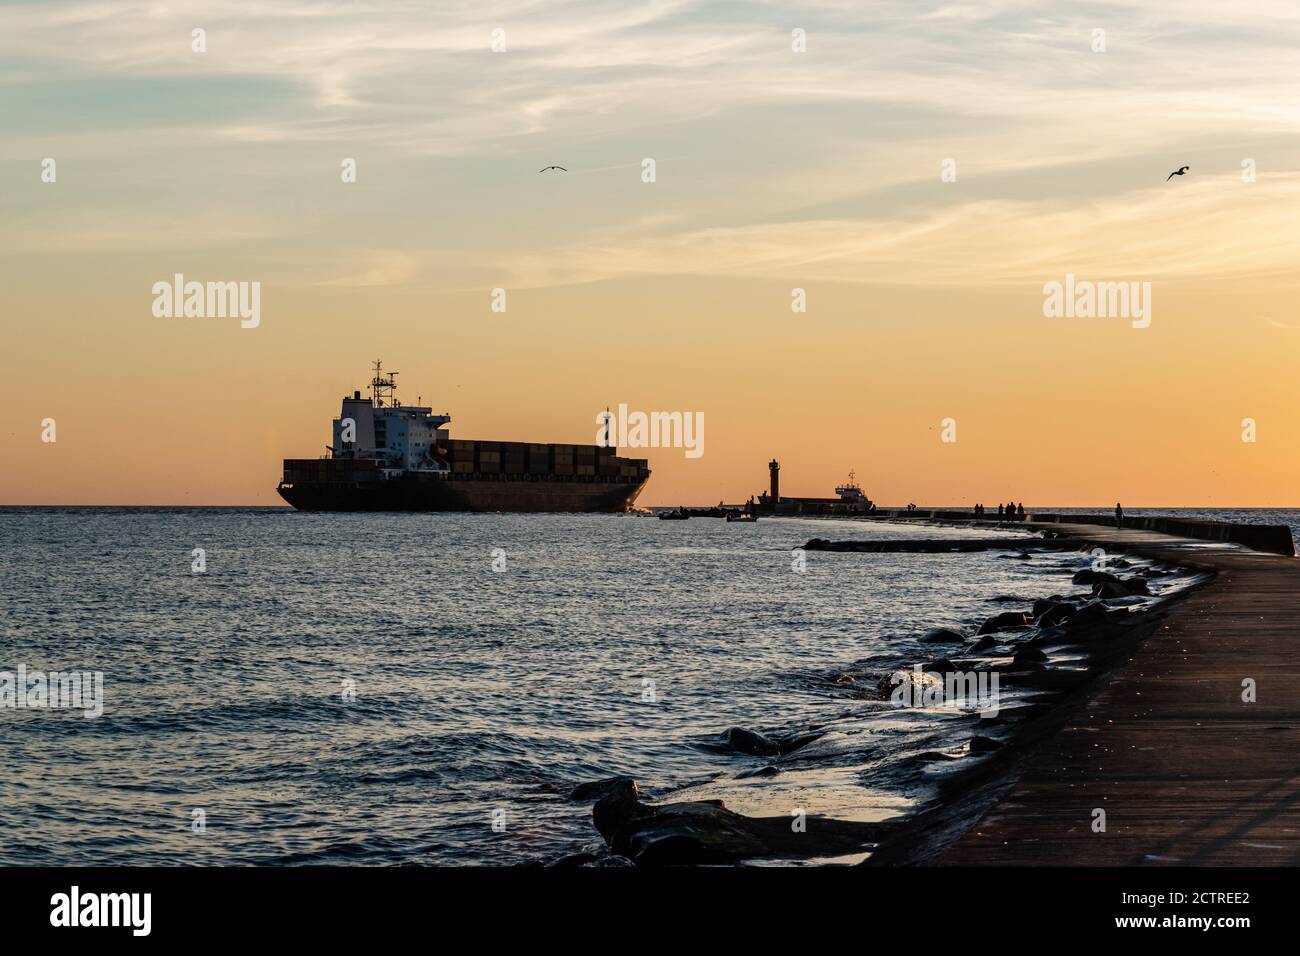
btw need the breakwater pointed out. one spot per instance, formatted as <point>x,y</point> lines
<point>1187,749</point>
<point>1271,538</point>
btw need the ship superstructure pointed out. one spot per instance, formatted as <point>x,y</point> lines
<point>402,437</point>
<point>851,491</point>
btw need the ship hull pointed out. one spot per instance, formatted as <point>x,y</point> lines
<point>540,493</point>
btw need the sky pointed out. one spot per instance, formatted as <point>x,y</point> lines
<point>775,169</point>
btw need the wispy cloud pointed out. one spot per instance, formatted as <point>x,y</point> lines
<point>823,164</point>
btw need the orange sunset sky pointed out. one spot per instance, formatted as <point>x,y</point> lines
<point>775,170</point>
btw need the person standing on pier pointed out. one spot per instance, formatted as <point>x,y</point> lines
<point>1020,510</point>
<point>1119,515</point>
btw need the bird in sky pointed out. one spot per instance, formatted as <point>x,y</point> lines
<point>1180,171</point>
<point>545,168</point>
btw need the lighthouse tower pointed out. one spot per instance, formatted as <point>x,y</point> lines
<point>774,469</point>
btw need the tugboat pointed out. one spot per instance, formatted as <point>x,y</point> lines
<point>680,514</point>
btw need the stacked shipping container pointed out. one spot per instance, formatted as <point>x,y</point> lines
<point>468,457</point>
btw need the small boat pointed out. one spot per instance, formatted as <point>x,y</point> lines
<point>681,514</point>
<point>851,491</point>
<point>742,518</point>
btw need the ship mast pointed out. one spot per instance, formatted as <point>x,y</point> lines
<point>382,387</point>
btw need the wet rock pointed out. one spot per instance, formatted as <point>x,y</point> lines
<point>1157,573</point>
<point>940,666</point>
<point>1124,588</point>
<point>751,742</point>
<point>1051,612</point>
<point>1028,655</point>
<point>983,745</point>
<point>936,756</point>
<point>1057,615</point>
<point>943,635</point>
<point>792,742</point>
<point>984,643</point>
<point>597,788</point>
<point>768,771</point>
<point>1049,635</point>
<point>1091,614</point>
<point>908,684</point>
<point>706,832</point>
<point>1004,621</point>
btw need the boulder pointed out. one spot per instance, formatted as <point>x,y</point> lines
<point>751,742</point>
<point>706,832</point>
<point>1004,621</point>
<point>1028,655</point>
<point>907,684</point>
<point>1128,587</point>
<point>1056,634</point>
<point>792,742</point>
<point>1042,605</point>
<point>597,788</point>
<point>943,635</point>
<point>1052,611</point>
<point>1089,614</point>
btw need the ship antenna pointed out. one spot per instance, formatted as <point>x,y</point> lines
<point>382,387</point>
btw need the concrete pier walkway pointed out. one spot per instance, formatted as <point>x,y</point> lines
<point>1186,771</point>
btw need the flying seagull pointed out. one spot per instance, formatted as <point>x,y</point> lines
<point>1180,171</point>
<point>545,168</point>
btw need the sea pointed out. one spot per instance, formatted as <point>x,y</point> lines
<point>283,688</point>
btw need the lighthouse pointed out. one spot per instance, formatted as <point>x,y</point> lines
<point>774,469</point>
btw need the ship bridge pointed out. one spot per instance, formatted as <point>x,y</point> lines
<point>404,437</point>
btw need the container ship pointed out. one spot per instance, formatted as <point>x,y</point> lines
<point>386,456</point>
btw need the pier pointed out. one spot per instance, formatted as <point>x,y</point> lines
<point>1187,771</point>
<point>1275,539</point>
